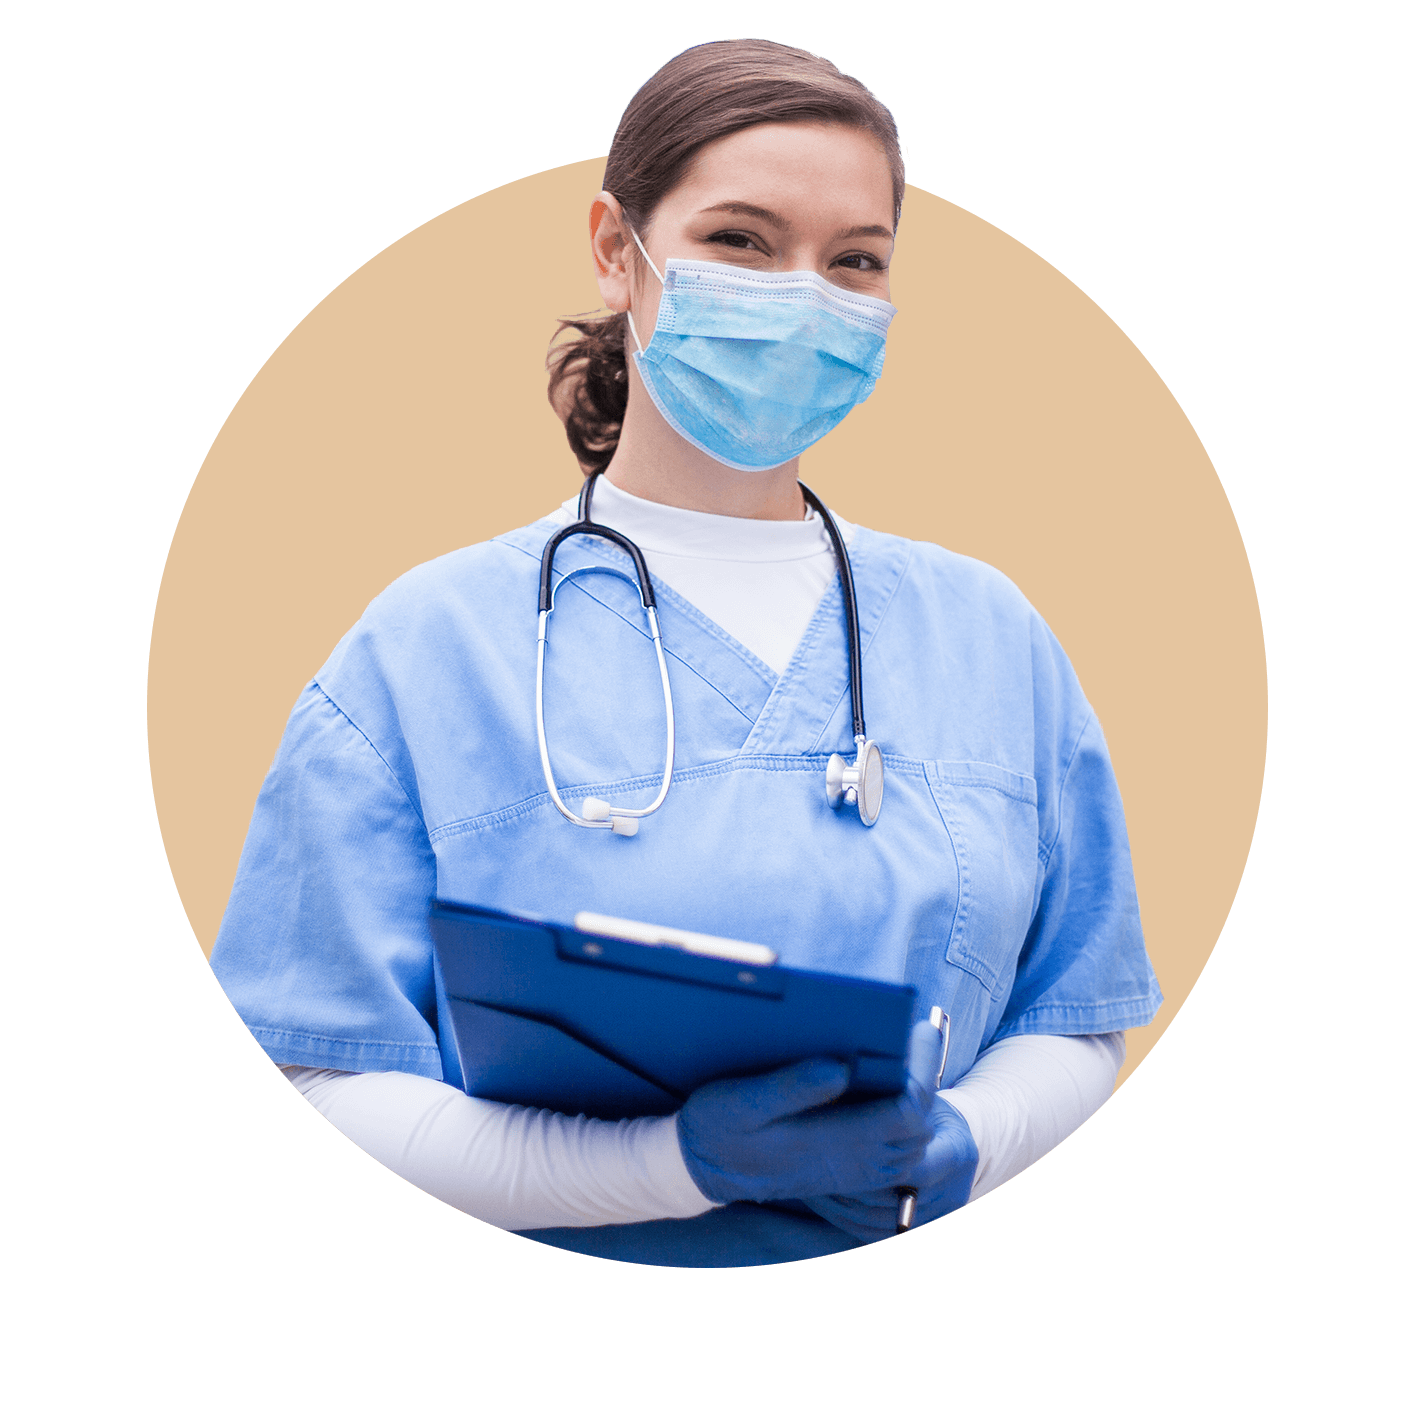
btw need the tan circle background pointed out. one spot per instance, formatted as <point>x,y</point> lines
<point>406,416</point>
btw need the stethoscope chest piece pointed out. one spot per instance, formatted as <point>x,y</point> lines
<point>860,785</point>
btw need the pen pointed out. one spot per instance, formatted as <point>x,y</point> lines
<point>908,1195</point>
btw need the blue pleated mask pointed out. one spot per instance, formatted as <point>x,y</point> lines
<point>751,366</point>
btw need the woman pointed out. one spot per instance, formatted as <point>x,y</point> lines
<point>742,245</point>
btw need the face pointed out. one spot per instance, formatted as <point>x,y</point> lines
<point>780,196</point>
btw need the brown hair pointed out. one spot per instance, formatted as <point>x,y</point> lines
<point>703,94</point>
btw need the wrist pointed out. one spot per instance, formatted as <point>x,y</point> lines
<point>707,1181</point>
<point>664,1157</point>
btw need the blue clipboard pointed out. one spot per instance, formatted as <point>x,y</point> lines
<point>547,1014</point>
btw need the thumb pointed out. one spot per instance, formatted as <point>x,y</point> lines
<point>763,1099</point>
<point>925,1055</point>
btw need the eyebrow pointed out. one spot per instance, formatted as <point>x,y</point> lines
<point>760,213</point>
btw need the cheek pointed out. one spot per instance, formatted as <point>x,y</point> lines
<point>644,305</point>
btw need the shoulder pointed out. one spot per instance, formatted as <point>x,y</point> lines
<point>454,609</point>
<point>499,568</point>
<point>981,642</point>
<point>457,629</point>
<point>469,586</point>
<point>940,571</point>
<point>970,595</point>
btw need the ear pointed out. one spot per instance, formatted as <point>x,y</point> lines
<point>609,245</point>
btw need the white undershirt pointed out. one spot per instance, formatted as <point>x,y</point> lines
<point>522,1168</point>
<point>759,580</point>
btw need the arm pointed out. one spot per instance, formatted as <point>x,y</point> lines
<point>1026,1094</point>
<point>521,1168</point>
<point>1022,1096</point>
<point>326,952</point>
<point>510,1165</point>
<point>766,1137</point>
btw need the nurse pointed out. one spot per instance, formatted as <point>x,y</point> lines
<point>742,247</point>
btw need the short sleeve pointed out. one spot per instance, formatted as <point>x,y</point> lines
<point>324,948</point>
<point>1083,967</point>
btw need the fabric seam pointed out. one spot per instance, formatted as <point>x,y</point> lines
<point>868,641</point>
<point>638,628</point>
<point>704,771</point>
<point>1045,855</point>
<point>259,1031</point>
<point>369,741</point>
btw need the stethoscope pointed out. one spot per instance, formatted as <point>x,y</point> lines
<point>859,783</point>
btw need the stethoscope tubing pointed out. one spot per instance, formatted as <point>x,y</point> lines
<point>560,805</point>
<point>837,545</point>
<point>548,587</point>
<point>584,526</point>
<point>852,609</point>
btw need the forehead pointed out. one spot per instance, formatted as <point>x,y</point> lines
<point>800,170</point>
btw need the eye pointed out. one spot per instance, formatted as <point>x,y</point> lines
<point>859,260</point>
<point>737,240</point>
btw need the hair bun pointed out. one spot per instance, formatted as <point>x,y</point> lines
<point>589,386</point>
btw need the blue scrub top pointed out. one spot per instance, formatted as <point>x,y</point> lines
<point>997,881</point>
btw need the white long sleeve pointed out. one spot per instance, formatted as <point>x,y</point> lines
<point>1024,1095</point>
<point>510,1165</point>
<point>521,1168</point>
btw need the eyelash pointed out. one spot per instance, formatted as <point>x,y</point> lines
<point>723,238</point>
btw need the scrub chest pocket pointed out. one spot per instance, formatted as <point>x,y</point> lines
<point>991,817</point>
<point>997,881</point>
<point>939,895</point>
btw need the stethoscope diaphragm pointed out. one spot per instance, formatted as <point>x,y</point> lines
<point>859,784</point>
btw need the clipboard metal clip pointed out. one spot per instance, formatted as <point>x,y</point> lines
<point>730,950</point>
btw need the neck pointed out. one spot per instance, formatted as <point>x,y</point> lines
<point>654,463</point>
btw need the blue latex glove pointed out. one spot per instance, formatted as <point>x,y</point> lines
<point>778,1137</point>
<point>943,1175</point>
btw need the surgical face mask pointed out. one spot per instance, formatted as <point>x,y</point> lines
<point>752,367</point>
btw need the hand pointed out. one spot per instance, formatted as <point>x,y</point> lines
<point>778,1137</point>
<point>943,1175</point>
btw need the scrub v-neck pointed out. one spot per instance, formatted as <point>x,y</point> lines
<point>760,580</point>
<point>794,714</point>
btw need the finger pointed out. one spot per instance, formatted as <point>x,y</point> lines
<point>861,1148</point>
<point>925,1055</point>
<point>949,1125</point>
<point>869,1199</point>
<point>943,1196</point>
<point>787,1092</point>
<point>856,1220</point>
<point>893,1123</point>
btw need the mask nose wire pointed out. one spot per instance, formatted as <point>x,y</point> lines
<point>652,267</point>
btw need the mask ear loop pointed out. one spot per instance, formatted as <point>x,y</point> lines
<point>652,267</point>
